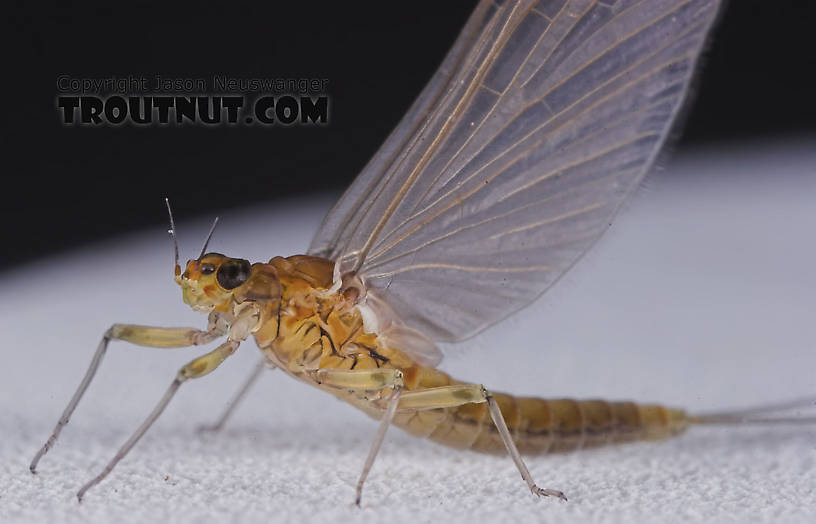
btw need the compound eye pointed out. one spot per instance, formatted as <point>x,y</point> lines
<point>233,273</point>
<point>207,269</point>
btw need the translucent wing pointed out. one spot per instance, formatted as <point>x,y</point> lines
<point>514,159</point>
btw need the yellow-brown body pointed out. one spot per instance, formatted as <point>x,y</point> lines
<point>312,328</point>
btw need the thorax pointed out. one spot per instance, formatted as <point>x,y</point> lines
<point>316,328</point>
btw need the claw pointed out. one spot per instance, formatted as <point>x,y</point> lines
<point>540,492</point>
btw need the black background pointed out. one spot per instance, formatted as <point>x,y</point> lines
<point>66,186</point>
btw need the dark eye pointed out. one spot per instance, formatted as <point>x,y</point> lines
<point>207,269</point>
<point>233,273</point>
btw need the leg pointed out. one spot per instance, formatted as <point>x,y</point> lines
<point>498,420</point>
<point>219,424</point>
<point>366,380</point>
<point>362,379</point>
<point>194,369</point>
<point>140,335</point>
<point>378,440</point>
<point>457,395</point>
<point>431,398</point>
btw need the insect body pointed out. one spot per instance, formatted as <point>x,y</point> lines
<point>512,162</point>
<point>318,332</point>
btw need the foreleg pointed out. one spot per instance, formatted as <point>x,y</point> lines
<point>158,337</point>
<point>193,369</point>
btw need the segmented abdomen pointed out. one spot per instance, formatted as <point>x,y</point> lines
<point>545,426</point>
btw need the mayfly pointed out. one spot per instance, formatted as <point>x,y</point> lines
<point>542,119</point>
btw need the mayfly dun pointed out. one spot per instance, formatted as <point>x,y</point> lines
<point>542,119</point>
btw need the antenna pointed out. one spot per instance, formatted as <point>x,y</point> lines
<point>206,242</point>
<point>172,231</point>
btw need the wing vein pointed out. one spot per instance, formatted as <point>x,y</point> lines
<point>510,147</point>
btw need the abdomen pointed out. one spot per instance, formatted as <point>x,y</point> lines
<point>541,425</point>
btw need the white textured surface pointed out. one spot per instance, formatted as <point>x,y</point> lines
<point>702,296</point>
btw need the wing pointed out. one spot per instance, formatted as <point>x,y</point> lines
<point>542,119</point>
